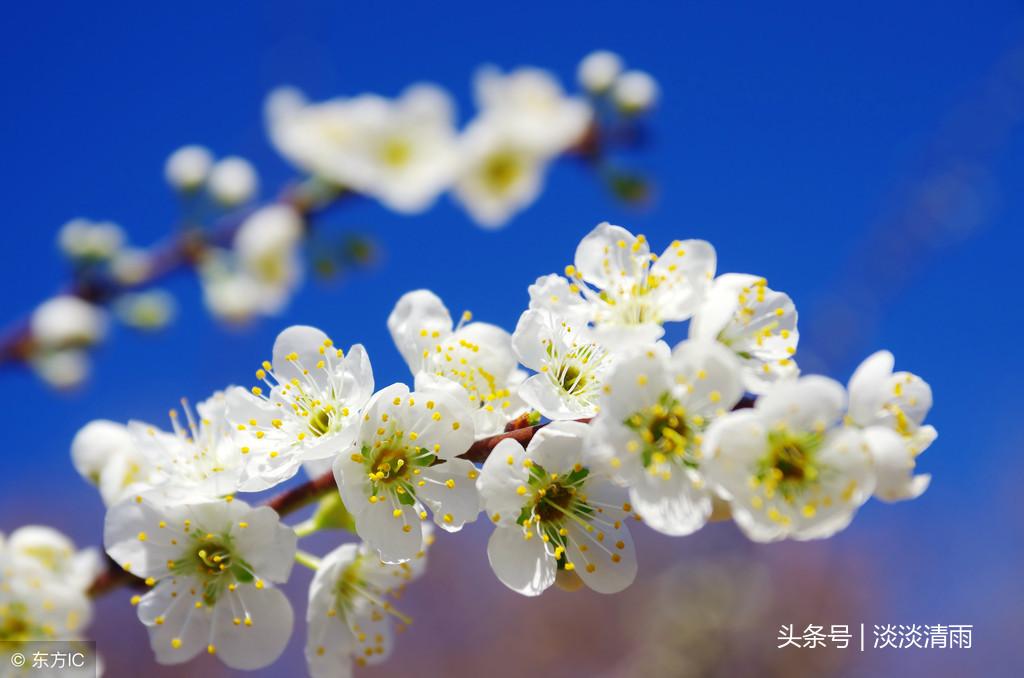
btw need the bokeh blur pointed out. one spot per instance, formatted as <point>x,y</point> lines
<point>864,157</point>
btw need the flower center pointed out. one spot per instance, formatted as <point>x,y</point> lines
<point>790,465</point>
<point>390,466</point>
<point>396,153</point>
<point>501,171</point>
<point>15,626</point>
<point>665,433</point>
<point>319,420</point>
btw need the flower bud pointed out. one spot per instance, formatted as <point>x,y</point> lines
<point>232,181</point>
<point>187,168</point>
<point>67,320</point>
<point>598,70</point>
<point>635,91</point>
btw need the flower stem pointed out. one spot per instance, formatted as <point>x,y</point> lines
<point>307,560</point>
<point>306,528</point>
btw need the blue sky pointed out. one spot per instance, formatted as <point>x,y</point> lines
<point>805,142</point>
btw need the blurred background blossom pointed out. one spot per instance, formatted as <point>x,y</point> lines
<point>865,159</point>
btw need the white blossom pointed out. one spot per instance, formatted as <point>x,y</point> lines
<point>404,460</point>
<point>569,364</point>
<point>635,91</point>
<point>84,239</point>
<point>532,106</point>
<point>625,292</point>
<point>498,174</point>
<point>149,310</point>
<point>210,564</point>
<point>232,181</point>
<point>350,612</point>
<point>187,168</point>
<point>96,444</point>
<point>474,360</point>
<point>755,322</point>
<point>786,467</point>
<point>655,409</point>
<point>401,151</point>
<point>891,407</point>
<point>598,71</point>
<point>55,554</point>
<point>553,509</point>
<point>67,321</point>
<point>310,411</point>
<point>65,368</point>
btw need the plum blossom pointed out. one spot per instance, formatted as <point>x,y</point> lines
<point>210,563</point>
<point>472,360</point>
<point>404,461</point>
<point>569,364</point>
<point>625,292</point>
<point>309,412</point>
<point>757,323</point>
<point>655,410</point>
<point>891,407</point>
<point>787,467</point>
<point>350,612</point>
<point>555,509</point>
<point>400,151</point>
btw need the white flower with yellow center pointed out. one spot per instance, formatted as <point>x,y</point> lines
<point>35,604</point>
<point>107,455</point>
<point>402,461</point>
<point>210,563</point>
<point>623,290</point>
<point>757,323</point>
<point>531,104</point>
<point>473,360</point>
<point>891,407</point>
<point>655,410</point>
<point>554,509</point>
<point>199,454</point>
<point>786,467</point>
<point>309,411</point>
<point>48,549</point>
<point>498,175</point>
<point>401,151</point>
<point>350,610</point>
<point>570,365</point>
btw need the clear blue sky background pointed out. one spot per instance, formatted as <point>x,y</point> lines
<point>789,135</point>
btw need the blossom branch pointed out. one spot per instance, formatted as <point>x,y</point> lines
<point>296,498</point>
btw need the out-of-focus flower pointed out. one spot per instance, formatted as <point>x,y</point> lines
<point>66,368</point>
<point>498,174</point>
<point>232,181</point>
<point>400,151</point>
<point>259,274</point>
<point>42,586</point>
<point>150,310</point>
<point>756,323</point>
<point>473,360</point>
<point>570,365</point>
<point>554,509</point>
<point>891,407</point>
<point>655,409</point>
<point>349,613</point>
<point>87,240</point>
<point>210,563</point>
<point>532,108</point>
<point>96,444</point>
<point>403,459</point>
<point>50,550</point>
<point>187,168</point>
<point>312,409</point>
<point>598,71</point>
<point>130,266</point>
<point>67,321</point>
<point>622,290</point>
<point>635,91</point>
<point>785,467</point>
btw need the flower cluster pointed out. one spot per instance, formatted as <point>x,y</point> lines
<point>403,152</point>
<point>43,585</point>
<point>634,431</point>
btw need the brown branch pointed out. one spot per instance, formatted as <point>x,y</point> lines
<point>293,499</point>
<point>177,253</point>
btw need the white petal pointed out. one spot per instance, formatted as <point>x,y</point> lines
<point>677,506</point>
<point>685,271</point>
<point>306,343</point>
<point>387,534</point>
<point>252,647</point>
<point>558,447</point>
<point>806,404</point>
<point>416,318</point>
<point>521,564</point>
<point>606,254</point>
<point>710,374</point>
<point>502,474</point>
<point>268,546</point>
<point>636,381</point>
<point>450,491</point>
<point>894,466</point>
<point>867,387</point>
<point>608,565</point>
